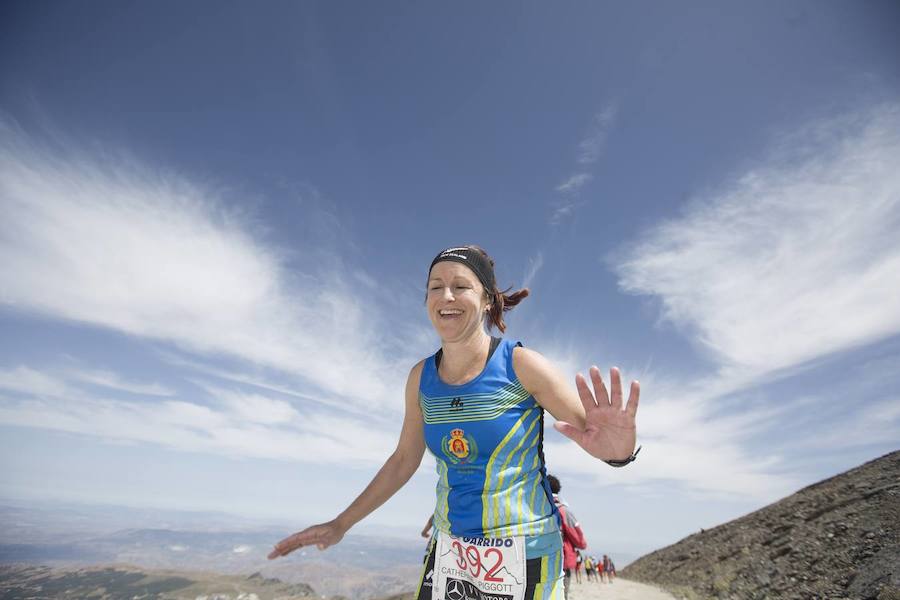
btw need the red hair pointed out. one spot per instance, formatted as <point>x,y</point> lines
<point>501,301</point>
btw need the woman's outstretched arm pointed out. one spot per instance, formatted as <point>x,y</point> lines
<point>395,472</point>
<point>598,421</point>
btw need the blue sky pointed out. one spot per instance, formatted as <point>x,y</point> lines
<point>218,217</point>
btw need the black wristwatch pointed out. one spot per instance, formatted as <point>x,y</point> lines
<point>624,461</point>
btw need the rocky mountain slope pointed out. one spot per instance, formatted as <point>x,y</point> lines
<point>839,538</point>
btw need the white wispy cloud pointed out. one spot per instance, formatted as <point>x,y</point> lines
<point>859,408</point>
<point>534,265</point>
<point>875,422</point>
<point>564,208</point>
<point>687,445</point>
<point>30,381</point>
<point>233,423</point>
<point>574,183</point>
<point>266,381</point>
<point>590,149</point>
<point>591,146</point>
<point>111,380</point>
<point>102,239</point>
<point>794,260</point>
<point>58,381</point>
<point>256,408</point>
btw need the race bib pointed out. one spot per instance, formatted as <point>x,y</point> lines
<point>479,568</point>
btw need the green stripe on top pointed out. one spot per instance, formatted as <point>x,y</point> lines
<point>442,507</point>
<point>475,407</point>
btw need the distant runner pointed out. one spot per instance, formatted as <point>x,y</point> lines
<point>478,405</point>
<point>605,569</point>
<point>589,567</point>
<point>572,535</point>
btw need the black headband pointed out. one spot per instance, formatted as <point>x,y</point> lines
<point>473,259</point>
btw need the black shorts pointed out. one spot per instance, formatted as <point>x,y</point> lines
<point>543,578</point>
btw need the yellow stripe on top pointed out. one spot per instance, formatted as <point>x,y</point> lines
<point>526,515</point>
<point>486,492</point>
<point>506,494</point>
<point>539,588</point>
<point>442,507</point>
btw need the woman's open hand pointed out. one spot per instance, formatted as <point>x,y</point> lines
<point>322,535</point>
<point>609,431</point>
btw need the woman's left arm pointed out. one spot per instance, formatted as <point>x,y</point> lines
<point>596,421</point>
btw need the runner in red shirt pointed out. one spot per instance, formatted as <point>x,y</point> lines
<point>572,535</point>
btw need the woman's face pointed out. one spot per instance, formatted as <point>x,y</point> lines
<point>456,300</point>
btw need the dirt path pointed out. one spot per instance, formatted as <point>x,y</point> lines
<point>622,589</point>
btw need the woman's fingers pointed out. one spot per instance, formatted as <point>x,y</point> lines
<point>283,548</point>
<point>599,387</point>
<point>614,399</point>
<point>633,396</point>
<point>303,538</point>
<point>615,379</point>
<point>570,431</point>
<point>279,550</point>
<point>584,392</point>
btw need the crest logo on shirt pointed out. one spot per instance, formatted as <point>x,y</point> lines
<point>459,446</point>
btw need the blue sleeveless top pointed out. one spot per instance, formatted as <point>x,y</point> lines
<point>487,439</point>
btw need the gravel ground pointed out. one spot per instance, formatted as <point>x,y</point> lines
<point>621,589</point>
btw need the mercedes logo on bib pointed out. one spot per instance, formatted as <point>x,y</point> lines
<point>455,590</point>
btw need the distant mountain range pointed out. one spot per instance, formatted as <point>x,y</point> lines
<point>839,538</point>
<point>82,537</point>
<point>129,582</point>
<point>836,539</point>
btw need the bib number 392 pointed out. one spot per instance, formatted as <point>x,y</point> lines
<point>479,568</point>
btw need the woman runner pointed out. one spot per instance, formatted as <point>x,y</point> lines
<point>477,404</point>
<point>589,567</point>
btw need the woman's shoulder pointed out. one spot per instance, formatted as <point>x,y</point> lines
<point>416,369</point>
<point>415,374</point>
<point>527,363</point>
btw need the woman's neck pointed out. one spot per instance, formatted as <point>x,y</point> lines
<point>460,357</point>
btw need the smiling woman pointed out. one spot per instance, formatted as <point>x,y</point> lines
<point>481,267</point>
<point>478,405</point>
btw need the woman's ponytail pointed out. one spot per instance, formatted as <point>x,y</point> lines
<point>500,301</point>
